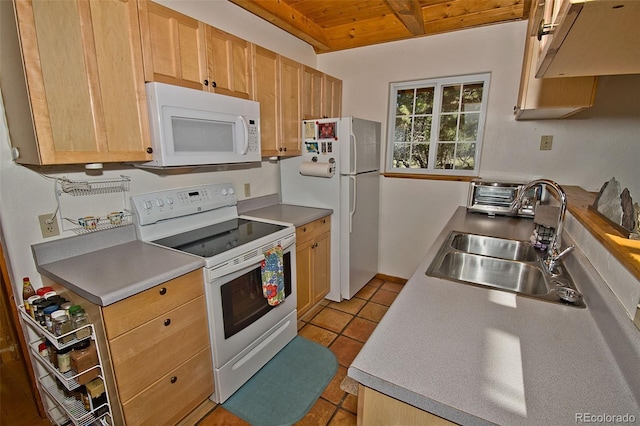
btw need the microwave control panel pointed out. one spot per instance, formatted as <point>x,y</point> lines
<point>254,136</point>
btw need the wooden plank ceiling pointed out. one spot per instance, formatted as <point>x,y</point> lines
<point>331,25</point>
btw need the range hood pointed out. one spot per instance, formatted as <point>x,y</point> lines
<point>589,38</point>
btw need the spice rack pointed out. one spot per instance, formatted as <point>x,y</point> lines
<point>89,187</point>
<point>74,410</point>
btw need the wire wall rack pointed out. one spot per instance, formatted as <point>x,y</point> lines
<point>115,217</point>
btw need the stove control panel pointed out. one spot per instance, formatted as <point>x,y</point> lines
<point>153,207</point>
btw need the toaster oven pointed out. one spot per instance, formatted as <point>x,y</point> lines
<point>496,198</point>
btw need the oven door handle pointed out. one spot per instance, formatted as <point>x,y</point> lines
<point>222,271</point>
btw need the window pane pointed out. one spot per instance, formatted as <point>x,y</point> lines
<point>401,153</point>
<point>448,127</point>
<point>422,129</point>
<point>445,155</point>
<point>451,98</point>
<point>404,102</point>
<point>469,127</point>
<point>465,156</point>
<point>472,97</point>
<point>420,155</point>
<point>403,129</point>
<point>424,100</point>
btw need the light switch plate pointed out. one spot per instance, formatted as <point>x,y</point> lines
<point>247,190</point>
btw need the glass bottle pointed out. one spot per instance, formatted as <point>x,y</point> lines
<point>27,292</point>
<point>80,320</point>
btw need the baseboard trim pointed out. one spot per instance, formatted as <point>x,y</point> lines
<point>392,279</point>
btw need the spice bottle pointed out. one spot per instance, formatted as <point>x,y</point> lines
<point>27,292</point>
<point>62,326</point>
<point>64,360</point>
<point>80,320</point>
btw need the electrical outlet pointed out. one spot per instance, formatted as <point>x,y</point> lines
<point>546,141</point>
<point>247,190</point>
<point>48,229</point>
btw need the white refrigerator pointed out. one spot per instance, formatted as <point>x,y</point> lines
<point>339,170</point>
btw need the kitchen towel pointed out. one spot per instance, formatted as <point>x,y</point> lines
<point>272,269</point>
<point>310,168</point>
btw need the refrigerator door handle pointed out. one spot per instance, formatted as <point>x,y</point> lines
<point>355,154</point>
<point>352,203</point>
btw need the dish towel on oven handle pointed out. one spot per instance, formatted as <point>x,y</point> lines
<point>273,276</point>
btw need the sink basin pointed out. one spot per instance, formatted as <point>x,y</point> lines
<point>494,247</point>
<point>502,264</point>
<point>505,274</point>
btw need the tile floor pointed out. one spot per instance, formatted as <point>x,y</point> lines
<point>343,327</point>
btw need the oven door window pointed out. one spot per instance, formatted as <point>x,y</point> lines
<point>242,299</point>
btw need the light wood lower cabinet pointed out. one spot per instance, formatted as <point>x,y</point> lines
<point>313,264</point>
<point>160,353</point>
<point>375,408</point>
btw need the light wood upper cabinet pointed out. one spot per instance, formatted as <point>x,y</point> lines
<point>311,93</point>
<point>277,86</point>
<point>228,64</point>
<point>331,96</point>
<point>73,82</point>
<point>173,46</point>
<point>549,98</point>
<point>290,106</point>
<point>587,38</point>
<point>266,90</point>
<point>185,52</point>
<point>321,95</point>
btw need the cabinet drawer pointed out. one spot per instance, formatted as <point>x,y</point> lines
<point>174,395</point>
<point>304,233</point>
<point>152,350</point>
<point>310,230</point>
<point>142,307</point>
<point>322,225</point>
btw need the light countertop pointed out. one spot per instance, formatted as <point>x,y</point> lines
<point>296,215</point>
<point>108,266</point>
<point>479,356</point>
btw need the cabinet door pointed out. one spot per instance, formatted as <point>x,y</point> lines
<point>291,115</point>
<point>266,90</point>
<point>331,97</point>
<point>85,82</point>
<point>304,277</point>
<point>321,266</point>
<point>549,98</point>
<point>228,64</point>
<point>311,93</point>
<point>173,46</point>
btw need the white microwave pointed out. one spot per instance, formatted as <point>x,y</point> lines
<point>190,127</point>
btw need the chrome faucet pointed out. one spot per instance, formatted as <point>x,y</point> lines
<point>553,252</point>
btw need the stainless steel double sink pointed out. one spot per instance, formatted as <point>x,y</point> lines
<point>503,264</point>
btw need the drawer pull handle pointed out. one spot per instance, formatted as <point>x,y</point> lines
<point>167,322</point>
<point>304,229</point>
<point>174,379</point>
<point>163,291</point>
<point>324,220</point>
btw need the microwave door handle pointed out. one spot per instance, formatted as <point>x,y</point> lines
<point>245,149</point>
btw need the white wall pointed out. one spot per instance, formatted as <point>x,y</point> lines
<point>25,193</point>
<point>588,149</point>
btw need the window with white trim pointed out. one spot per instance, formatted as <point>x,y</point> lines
<point>435,126</point>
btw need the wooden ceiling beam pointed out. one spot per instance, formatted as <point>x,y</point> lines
<point>284,16</point>
<point>409,13</point>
